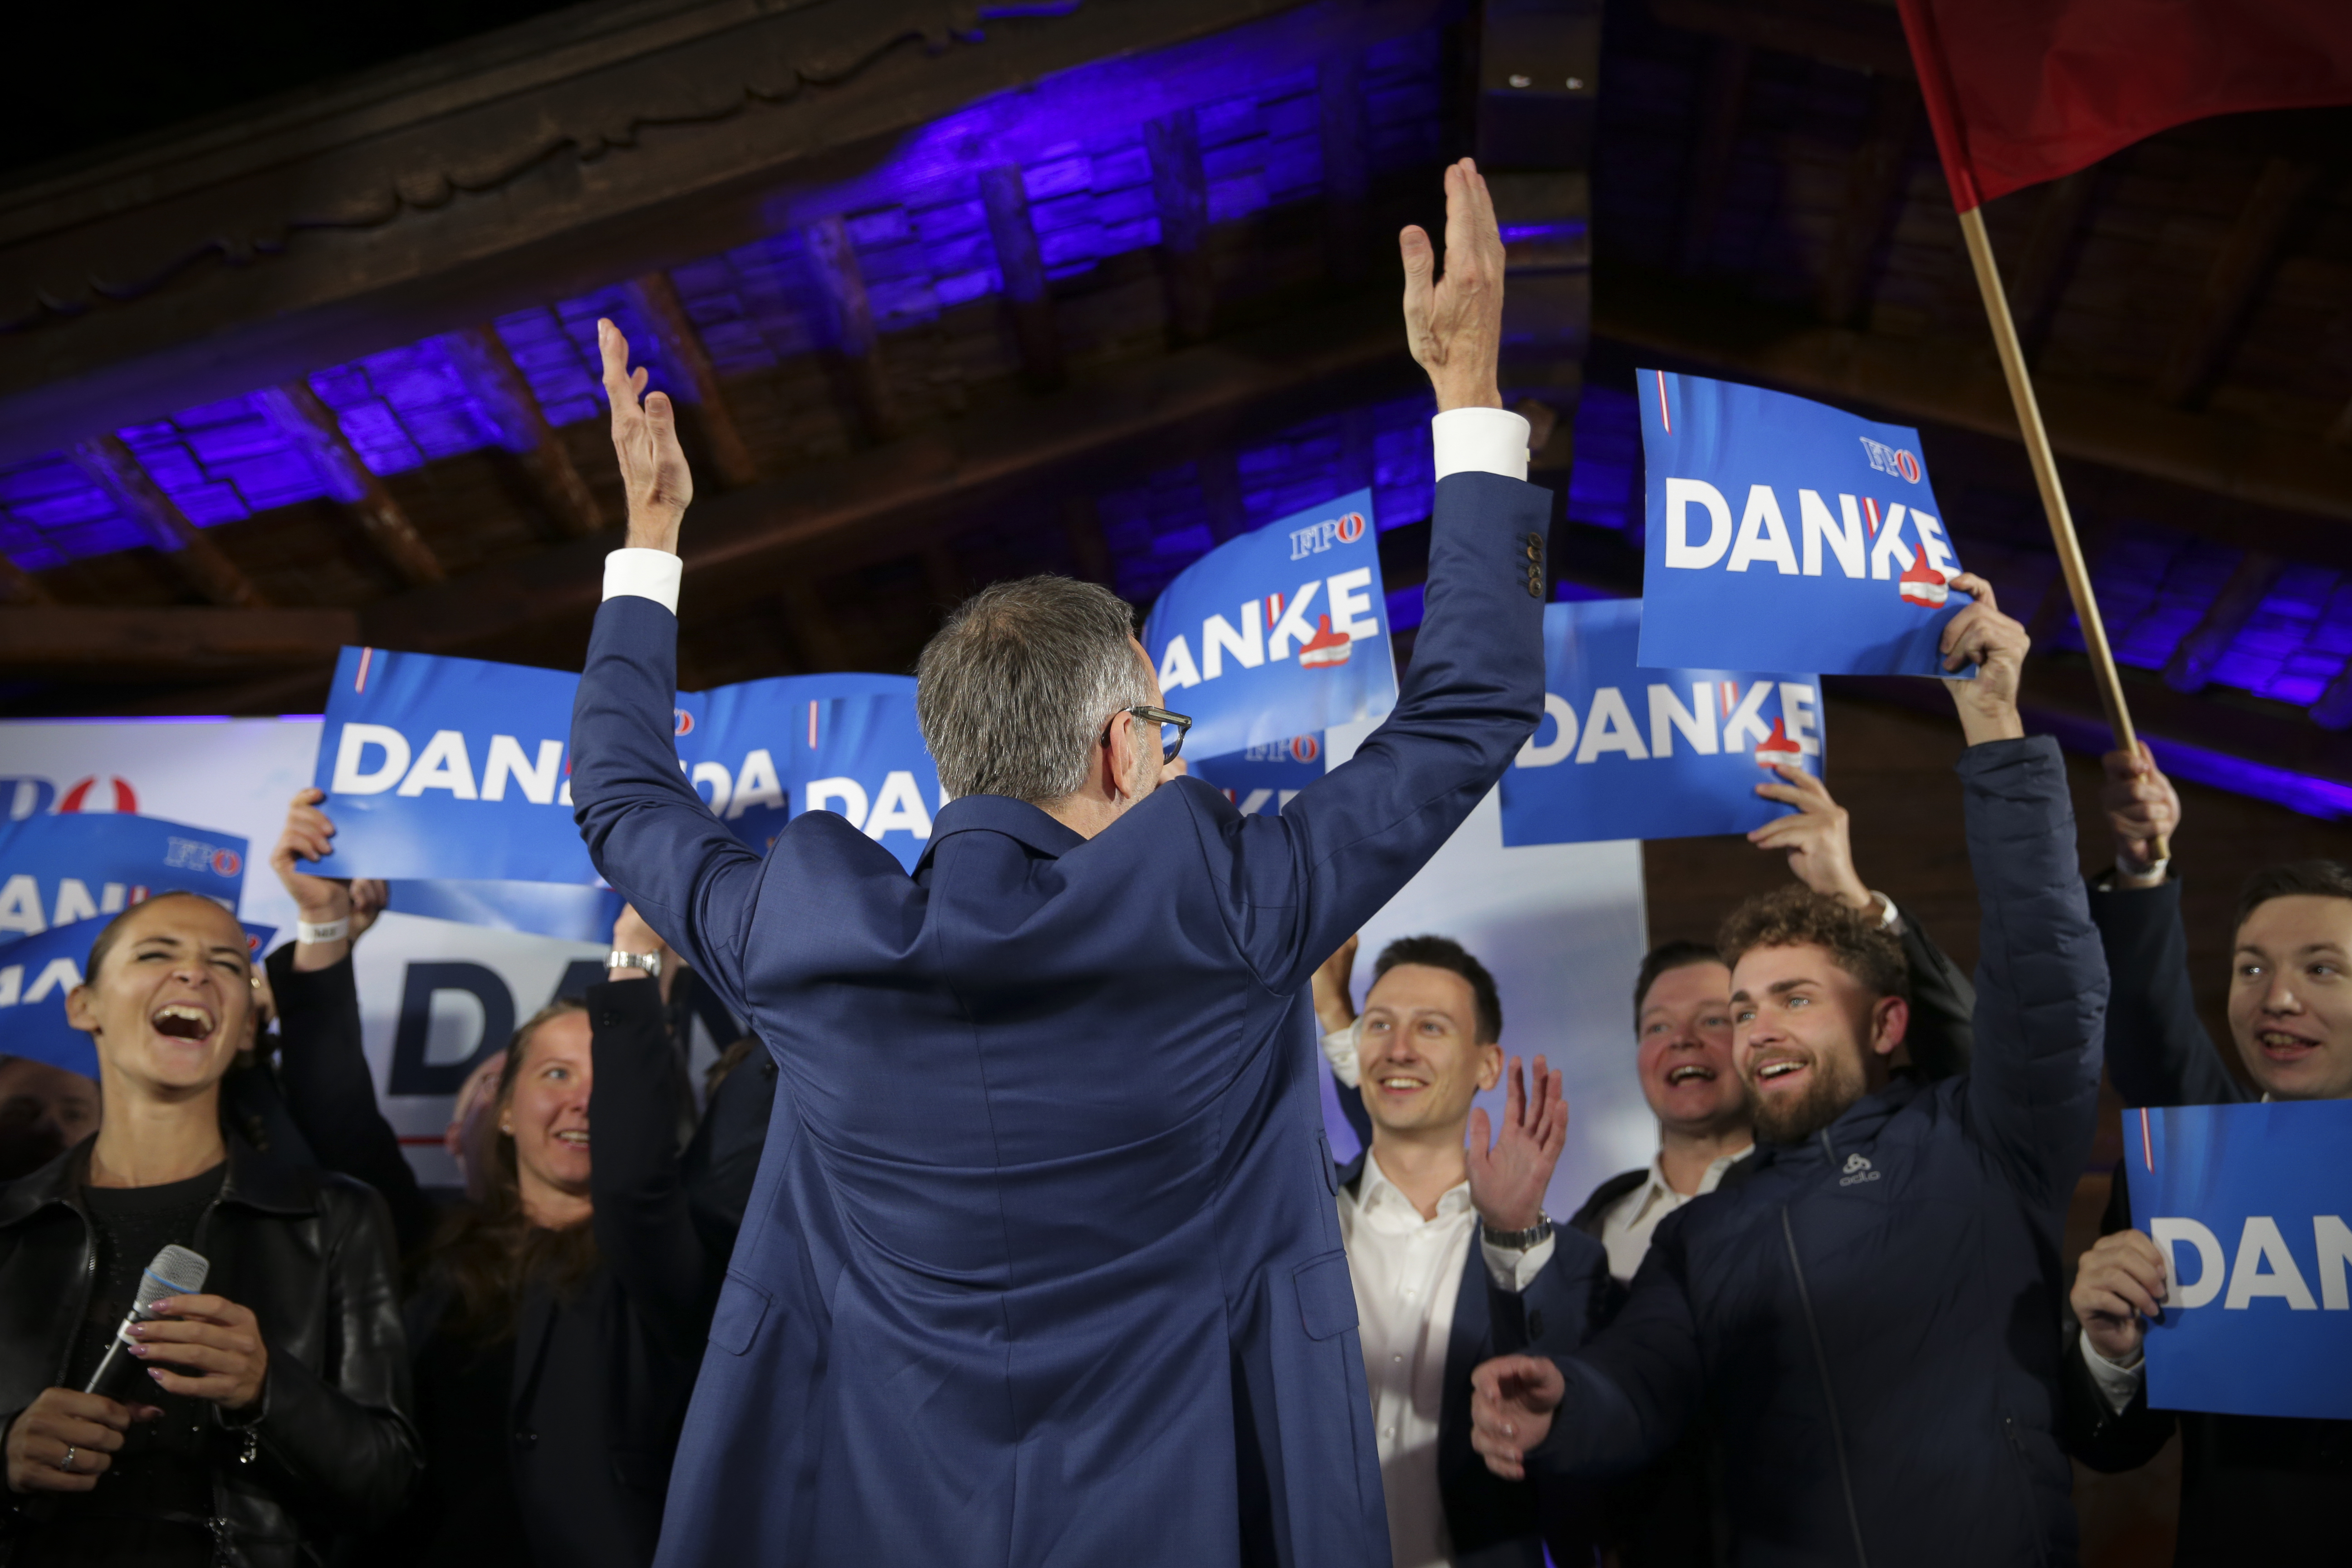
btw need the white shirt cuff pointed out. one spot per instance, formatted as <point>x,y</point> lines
<point>648,573</point>
<point>1339,1050</point>
<point>1480,441</point>
<point>2118,1386</point>
<point>1515,1271</point>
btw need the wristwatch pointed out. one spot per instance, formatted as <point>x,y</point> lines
<point>648,961</point>
<point>1535,1235</point>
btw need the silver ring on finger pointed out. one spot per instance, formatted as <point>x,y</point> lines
<point>66,1464</point>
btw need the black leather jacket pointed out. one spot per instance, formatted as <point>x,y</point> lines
<point>310,1254</point>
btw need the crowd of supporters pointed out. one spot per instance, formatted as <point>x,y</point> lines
<point>1765,1346</point>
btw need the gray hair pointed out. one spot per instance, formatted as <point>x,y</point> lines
<point>1013,690</point>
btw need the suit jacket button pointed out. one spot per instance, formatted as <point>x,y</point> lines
<point>1535,1322</point>
<point>526,1439</point>
<point>1534,542</point>
<point>1535,587</point>
<point>1535,551</point>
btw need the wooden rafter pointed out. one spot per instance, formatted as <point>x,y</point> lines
<point>59,639</point>
<point>1873,194</point>
<point>857,345</point>
<point>2240,274</point>
<point>207,566</point>
<point>497,384</point>
<point>299,415</point>
<point>1027,300</point>
<point>2307,482</point>
<point>2191,663</point>
<point>1181,188</point>
<point>680,346</point>
<point>20,586</point>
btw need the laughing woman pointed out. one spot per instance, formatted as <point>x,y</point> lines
<point>252,1417</point>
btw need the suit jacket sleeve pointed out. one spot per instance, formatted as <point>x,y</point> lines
<point>2031,1095</point>
<point>646,830</point>
<point>330,1091</point>
<point>1562,1306</point>
<point>1943,1007</point>
<point>1634,1388</point>
<point>2160,1054</point>
<point>2104,1438</point>
<point>645,1225</point>
<point>1294,885</point>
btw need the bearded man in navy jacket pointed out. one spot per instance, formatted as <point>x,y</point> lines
<point>1043,1266</point>
<point>1870,1320</point>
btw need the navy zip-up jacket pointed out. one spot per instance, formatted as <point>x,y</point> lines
<point>1873,1318</point>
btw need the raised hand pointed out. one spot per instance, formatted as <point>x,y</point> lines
<point>1820,851</point>
<point>1454,324</point>
<point>644,438</point>
<point>318,900</point>
<point>2119,1284</point>
<point>1334,1008</point>
<point>2142,807</point>
<point>1512,1399</point>
<point>1508,1179</point>
<point>1981,636</point>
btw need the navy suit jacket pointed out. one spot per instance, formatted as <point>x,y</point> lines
<point>1493,1521</point>
<point>1043,1266</point>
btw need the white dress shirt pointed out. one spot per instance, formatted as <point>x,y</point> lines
<point>1407,1273</point>
<point>1465,440</point>
<point>1626,1228</point>
<point>2118,1386</point>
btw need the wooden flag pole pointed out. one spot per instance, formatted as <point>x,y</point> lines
<point>2053,494</point>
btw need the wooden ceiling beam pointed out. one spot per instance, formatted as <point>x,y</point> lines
<point>20,586</point>
<point>1180,187</point>
<point>1028,303</point>
<point>680,347</point>
<point>1873,200</point>
<point>207,567</point>
<point>856,345</point>
<point>299,415</point>
<point>733,544</point>
<point>2302,486</point>
<point>2191,663</point>
<point>2241,272</point>
<point>166,642</point>
<point>496,383</point>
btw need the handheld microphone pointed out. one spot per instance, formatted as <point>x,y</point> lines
<point>176,1271</point>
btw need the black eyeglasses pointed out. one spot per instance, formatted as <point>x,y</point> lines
<point>1172,727</point>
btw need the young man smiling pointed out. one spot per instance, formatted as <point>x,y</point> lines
<point>1870,1318</point>
<point>2252,1488</point>
<point>1431,1305</point>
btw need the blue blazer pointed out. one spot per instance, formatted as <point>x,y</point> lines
<point>1041,1266</point>
<point>1494,1522</point>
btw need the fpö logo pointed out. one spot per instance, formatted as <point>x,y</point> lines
<point>1722,718</point>
<point>1900,461</point>
<point>1317,537</point>
<point>21,798</point>
<point>1297,749</point>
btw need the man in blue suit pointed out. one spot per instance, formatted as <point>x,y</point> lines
<point>1043,1266</point>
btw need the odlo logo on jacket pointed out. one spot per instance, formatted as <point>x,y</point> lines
<point>1857,1169</point>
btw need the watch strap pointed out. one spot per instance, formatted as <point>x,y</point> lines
<point>649,961</point>
<point>1535,1235</point>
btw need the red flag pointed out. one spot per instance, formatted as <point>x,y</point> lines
<point>2025,90</point>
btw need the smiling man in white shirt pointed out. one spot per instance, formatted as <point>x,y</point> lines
<point>1447,1241</point>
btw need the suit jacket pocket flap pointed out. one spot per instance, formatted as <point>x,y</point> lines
<point>1327,1298</point>
<point>743,1307</point>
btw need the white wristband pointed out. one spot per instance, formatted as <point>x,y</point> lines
<point>329,931</point>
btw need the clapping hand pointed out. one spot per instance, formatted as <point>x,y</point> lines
<point>644,438</point>
<point>1507,1180</point>
<point>1512,1399</point>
